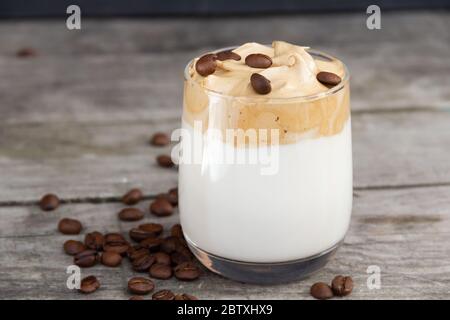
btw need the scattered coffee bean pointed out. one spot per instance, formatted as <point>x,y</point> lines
<point>163,295</point>
<point>228,55</point>
<point>342,286</point>
<point>169,197</point>
<point>111,259</point>
<point>162,258</point>
<point>143,263</point>
<point>132,197</point>
<point>177,231</point>
<point>165,161</point>
<point>154,228</point>
<point>187,271</point>
<point>173,196</point>
<point>185,296</point>
<point>170,244</point>
<point>119,247</point>
<point>206,65</point>
<point>138,235</point>
<point>328,78</point>
<point>131,214</point>
<point>160,139</point>
<point>94,240</point>
<point>161,207</point>
<point>86,259</point>
<point>178,258</point>
<point>258,60</point>
<point>49,202</point>
<point>152,244</point>
<point>136,254</point>
<point>136,298</point>
<point>140,285</point>
<point>160,271</point>
<point>26,53</point>
<point>321,290</point>
<point>72,247</point>
<point>89,284</point>
<point>114,237</point>
<point>69,226</point>
<point>260,83</point>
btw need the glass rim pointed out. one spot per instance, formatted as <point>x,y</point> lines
<point>315,96</point>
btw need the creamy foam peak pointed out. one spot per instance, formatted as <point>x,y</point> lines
<point>293,72</point>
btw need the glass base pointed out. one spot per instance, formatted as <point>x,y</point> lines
<point>264,273</point>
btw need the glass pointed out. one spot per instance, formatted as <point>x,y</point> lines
<point>265,184</point>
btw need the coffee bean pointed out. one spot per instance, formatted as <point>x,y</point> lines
<point>131,214</point>
<point>160,139</point>
<point>160,271</point>
<point>185,296</point>
<point>177,231</point>
<point>328,78</point>
<point>89,284</point>
<point>114,237</point>
<point>132,197</point>
<point>187,271</point>
<point>178,258</point>
<point>138,254</point>
<point>170,244</point>
<point>138,235</point>
<point>69,226</point>
<point>143,263</point>
<point>49,202</point>
<point>154,228</point>
<point>111,259</point>
<point>94,240</point>
<point>72,247</point>
<point>140,285</point>
<point>86,258</point>
<point>342,286</point>
<point>173,199</point>
<point>152,244</point>
<point>260,83</point>
<point>164,161</point>
<point>119,247</point>
<point>321,290</point>
<point>162,258</point>
<point>258,60</point>
<point>206,65</point>
<point>26,53</point>
<point>173,196</point>
<point>228,55</point>
<point>163,295</point>
<point>161,207</point>
<point>136,298</point>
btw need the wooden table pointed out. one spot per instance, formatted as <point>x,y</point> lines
<point>76,119</point>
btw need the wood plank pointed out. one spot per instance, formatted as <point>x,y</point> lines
<point>405,232</point>
<point>100,160</point>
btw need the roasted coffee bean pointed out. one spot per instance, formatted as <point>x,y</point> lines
<point>138,253</point>
<point>206,65</point>
<point>136,298</point>
<point>152,244</point>
<point>161,207</point>
<point>160,139</point>
<point>69,226</point>
<point>94,240</point>
<point>86,258</point>
<point>111,259</point>
<point>114,237</point>
<point>89,284</point>
<point>132,197</point>
<point>154,228</point>
<point>173,196</point>
<point>342,286</point>
<point>178,258</point>
<point>26,53</point>
<point>328,78</point>
<point>131,214</point>
<point>185,296</point>
<point>163,295</point>
<point>120,247</point>
<point>321,290</point>
<point>170,244</point>
<point>140,285</point>
<point>49,202</point>
<point>169,197</point>
<point>160,271</point>
<point>164,161</point>
<point>227,55</point>
<point>143,263</point>
<point>260,83</point>
<point>177,231</point>
<point>258,60</point>
<point>138,235</point>
<point>73,247</point>
<point>187,271</point>
<point>162,258</point>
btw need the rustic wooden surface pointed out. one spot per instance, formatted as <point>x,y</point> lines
<point>76,119</point>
